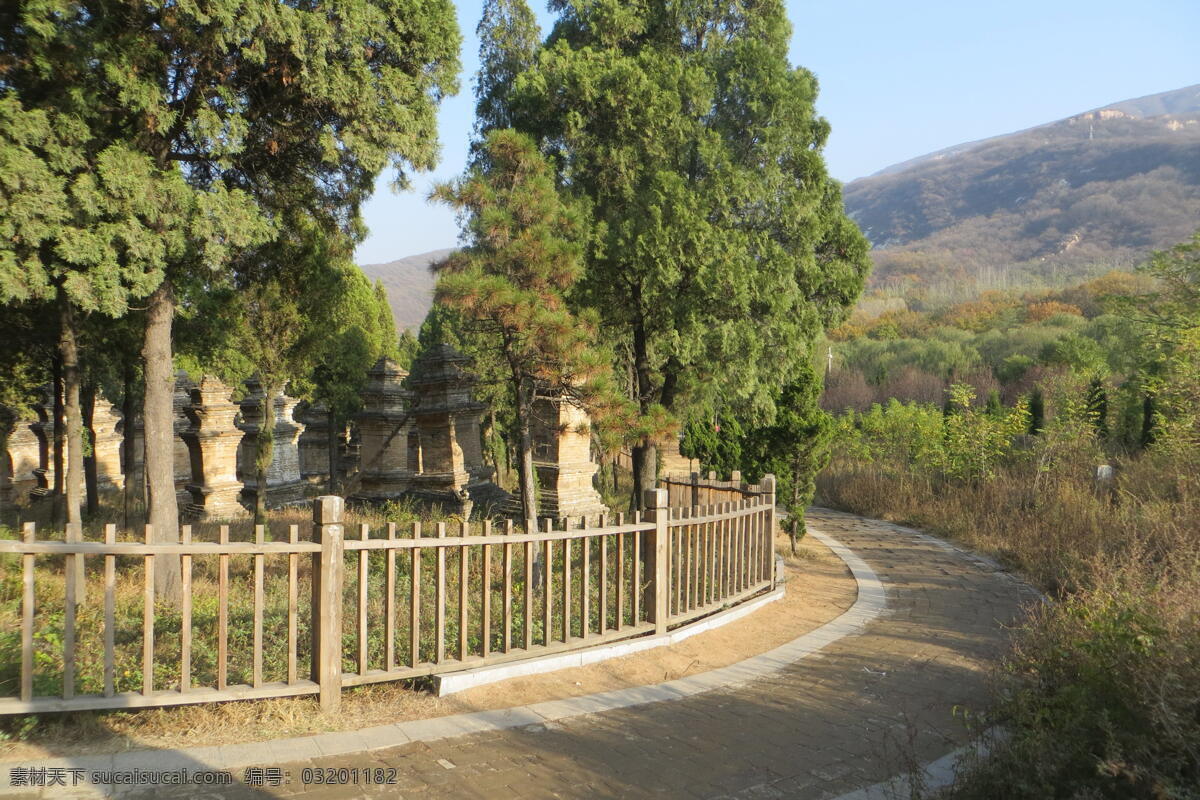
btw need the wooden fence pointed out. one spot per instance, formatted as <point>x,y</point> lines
<point>383,604</point>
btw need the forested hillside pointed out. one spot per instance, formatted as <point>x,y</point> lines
<point>409,284</point>
<point>1062,201</point>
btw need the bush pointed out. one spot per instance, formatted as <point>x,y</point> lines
<point>1101,696</point>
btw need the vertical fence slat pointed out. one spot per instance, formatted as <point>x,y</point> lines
<point>677,572</point>
<point>389,604</point>
<point>364,533</point>
<point>72,574</point>
<point>714,556</point>
<point>736,584</point>
<point>547,583</point>
<point>29,531</point>
<point>110,611</point>
<point>440,610</point>
<point>752,567</point>
<point>585,583</point>
<point>725,527</point>
<point>603,621</point>
<point>527,629</point>
<point>693,563</point>
<point>293,601</point>
<point>185,613</point>
<point>223,611</point>
<point>508,586</point>
<point>486,581</point>
<point>742,537</point>
<point>464,576</point>
<point>566,590</point>
<point>414,601</point>
<point>259,539</point>
<point>620,578</point>
<point>636,578</point>
<point>148,623</point>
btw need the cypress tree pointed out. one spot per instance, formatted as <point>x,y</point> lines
<point>522,255</point>
<point>1037,411</point>
<point>150,142</point>
<point>719,245</point>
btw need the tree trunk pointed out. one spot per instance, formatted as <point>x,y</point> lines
<point>645,454</point>
<point>7,421</point>
<point>68,350</point>
<point>797,519</point>
<point>264,452</point>
<point>526,479</point>
<point>332,440</point>
<point>90,478</point>
<point>129,453</point>
<point>58,505</point>
<point>158,418</point>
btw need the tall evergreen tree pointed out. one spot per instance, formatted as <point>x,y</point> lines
<point>509,38</point>
<point>199,115</point>
<point>521,256</point>
<point>719,246</point>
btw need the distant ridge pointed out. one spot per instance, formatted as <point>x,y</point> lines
<point>1094,191</point>
<point>409,283</point>
<point>1176,101</point>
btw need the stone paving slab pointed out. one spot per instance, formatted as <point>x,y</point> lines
<point>845,707</point>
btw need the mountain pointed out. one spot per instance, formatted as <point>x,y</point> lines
<point>1091,192</point>
<point>409,284</point>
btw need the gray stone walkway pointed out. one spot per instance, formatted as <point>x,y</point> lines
<point>852,711</point>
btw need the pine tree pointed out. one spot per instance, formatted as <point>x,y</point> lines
<point>719,244</point>
<point>522,255</point>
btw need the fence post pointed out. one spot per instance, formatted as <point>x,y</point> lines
<point>767,484</point>
<point>328,575</point>
<point>735,478</point>
<point>657,558</point>
<point>695,490</point>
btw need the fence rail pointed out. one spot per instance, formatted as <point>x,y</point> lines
<point>383,604</point>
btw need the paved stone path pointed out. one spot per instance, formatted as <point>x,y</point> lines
<point>861,710</point>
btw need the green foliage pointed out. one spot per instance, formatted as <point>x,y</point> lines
<point>718,246</point>
<point>509,282</point>
<point>795,447</point>
<point>100,219</point>
<point>966,445</point>
<point>509,39</point>
<point>716,443</point>
<point>1037,411</point>
<point>522,255</point>
<point>1101,699</point>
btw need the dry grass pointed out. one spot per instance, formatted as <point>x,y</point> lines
<point>1101,693</point>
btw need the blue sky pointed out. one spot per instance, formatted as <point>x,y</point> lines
<point>897,80</point>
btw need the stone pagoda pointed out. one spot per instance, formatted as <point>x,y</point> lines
<point>562,462</point>
<point>106,445</point>
<point>562,459</point>
<point>284,485</point>
<point>314,444</point>
<point>385,431</point>
<point>213,440</point>
<point>450,460</point>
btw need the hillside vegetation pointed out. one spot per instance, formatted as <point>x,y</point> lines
<point>1070,199</point>
<point>409,284</point>
<point>1060,433</point>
